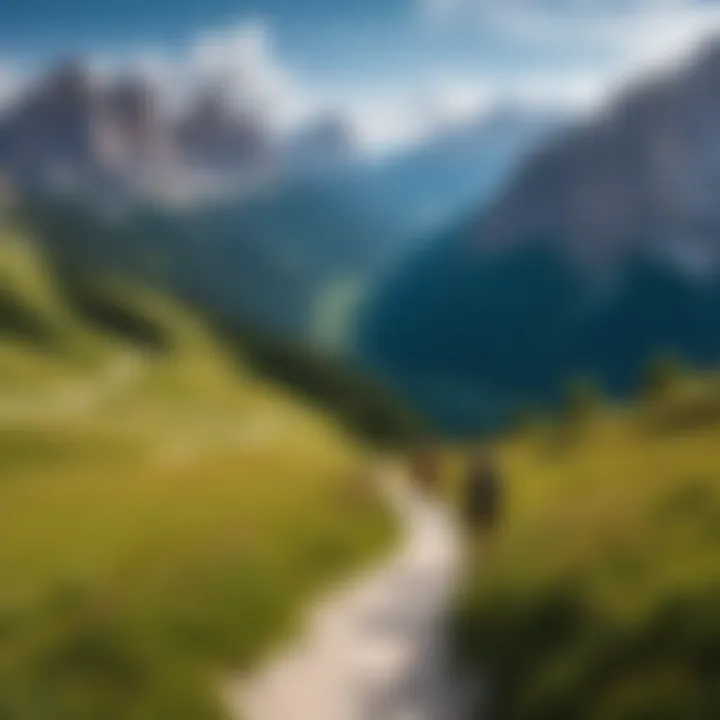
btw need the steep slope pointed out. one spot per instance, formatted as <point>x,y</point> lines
<point>257,262</point>
<point>639,176</point>
<point>32,318</point>
<point>473,341</point>
<point>598,255</point>
<point>164,511</point>
<point>79,271</point>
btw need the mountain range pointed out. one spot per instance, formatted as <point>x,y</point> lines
<point>113,139</point>
<point>600,252</point>
<point>274,233</point>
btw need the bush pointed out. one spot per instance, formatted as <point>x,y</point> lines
<point>602,597</point>
<point>582,403</point>
<point>526,420</point>
<point>364,405</point>
<point>662,376</point>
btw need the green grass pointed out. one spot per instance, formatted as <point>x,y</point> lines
<point>600,598</point>
<point>164,533</point>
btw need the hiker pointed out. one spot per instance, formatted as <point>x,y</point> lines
<point>483,493</point>
<point>425,466</point>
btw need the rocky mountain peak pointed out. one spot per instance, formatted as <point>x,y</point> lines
<point>643,175</point>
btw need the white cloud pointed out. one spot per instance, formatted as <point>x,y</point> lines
<point>604,42</point>
<point>570,90</point>
<point>239,61</point>
<point>542,11</point>
<point>244,63</point>
<point>440,11</point>
<point>453,99</point>
<point>630,32</point>
<point>386,121</point>
<point>380,124</point>
<point>669,35</point>
<point>10,83</point>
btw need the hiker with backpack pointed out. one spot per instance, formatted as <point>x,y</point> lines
<point>426,467</point>
<point>483,494</point>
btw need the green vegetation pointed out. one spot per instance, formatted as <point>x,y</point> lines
<point>212,261</point>
<point>600,598</point>
<point>662,376</point>
<point>583,400</point>
<point>164,512</point>
<point>361,404</point>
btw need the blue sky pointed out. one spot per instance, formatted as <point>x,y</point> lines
<point>393,66</point>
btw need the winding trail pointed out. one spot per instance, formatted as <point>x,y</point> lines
<point>377,650</point>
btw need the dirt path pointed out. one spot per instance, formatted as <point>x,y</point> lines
<point>377,650</point>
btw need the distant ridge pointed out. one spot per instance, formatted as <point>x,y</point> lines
<point>602,252</point>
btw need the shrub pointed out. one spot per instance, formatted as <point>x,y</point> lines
<point>662,376</point>
<point>583,400</point>
<point>527,419</point>
<point>582,403</point>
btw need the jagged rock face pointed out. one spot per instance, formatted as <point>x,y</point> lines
<point>213,137</point>
<point>645,173</point>
<point>132,135</point>
<point>73,132</point>
<point>329,142</point>
<point>51,131</point>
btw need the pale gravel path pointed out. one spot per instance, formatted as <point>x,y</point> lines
<point>377,650</point>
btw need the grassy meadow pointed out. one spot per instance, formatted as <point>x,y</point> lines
<point>164,514</point>
<point>600,597</point>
